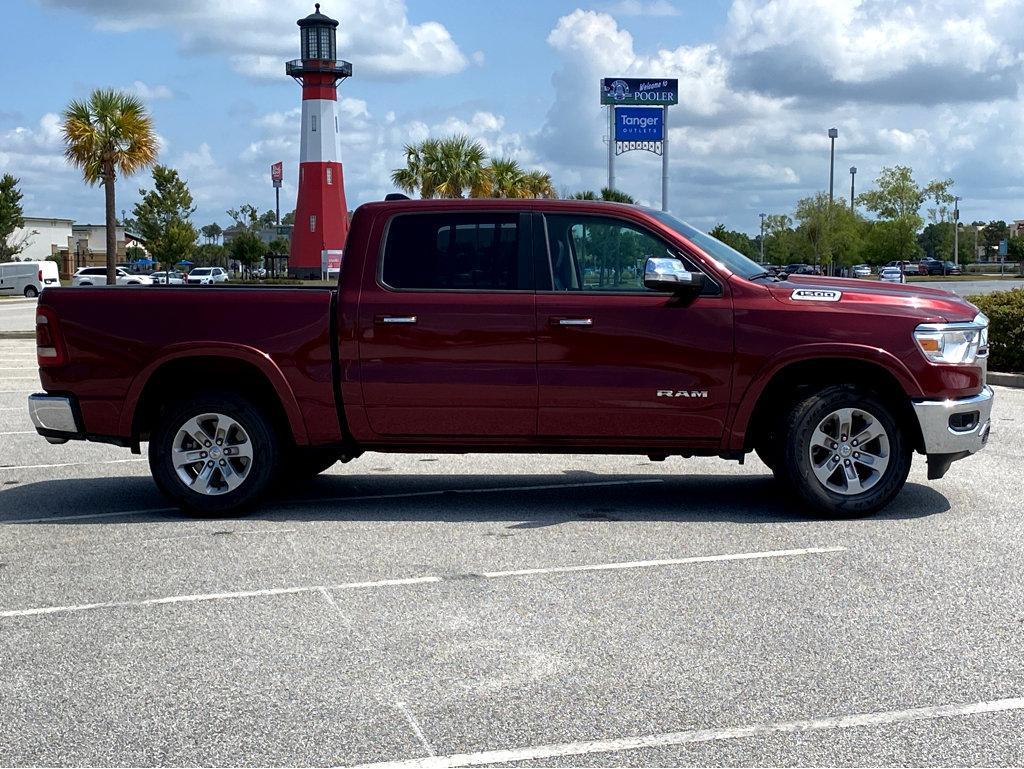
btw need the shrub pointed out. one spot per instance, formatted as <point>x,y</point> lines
<point>1005,311</point>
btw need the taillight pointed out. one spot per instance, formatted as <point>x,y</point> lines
<point>40,276</point>
<point>50,349</point>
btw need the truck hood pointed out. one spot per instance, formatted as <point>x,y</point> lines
<point>933,304</point>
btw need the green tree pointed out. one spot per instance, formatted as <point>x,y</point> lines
<point>267,219</point>
<point>450,167</point>
<point>133,253</point>
<point>897,199</point>
<point>506,179</point>
<point>211,232</point>
<point>164,218</point>
<point>288,218</point>
<point>831,230</point>
<point>607,193</point>
<point>109,134</point>
<point>740,241</point>
<point>210,255</point>
<point>994,232</point>
<point>11,218</point>
<point>245,216</point>
<point>936,240</point>
<point>539,185</point>
<point>246,248</point>
<point>278,247</point>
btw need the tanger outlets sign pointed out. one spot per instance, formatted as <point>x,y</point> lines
<point>639,124</point>
<point>632,91</point>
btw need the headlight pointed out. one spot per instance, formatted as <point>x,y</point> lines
<point>953,342</point>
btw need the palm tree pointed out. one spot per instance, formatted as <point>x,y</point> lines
<point>607,193</point>
<point>538,185</point>
<point>507,179</point>
<point>111,133</point>
<point>444,168</point>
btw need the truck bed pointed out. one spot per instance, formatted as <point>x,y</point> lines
<point>119,338</point>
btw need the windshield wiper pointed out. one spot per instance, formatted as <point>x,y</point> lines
<point>765,274</point>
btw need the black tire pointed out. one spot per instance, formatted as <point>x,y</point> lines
<point>259,472</point>
<point>31,292</point>
<point>799,471</point>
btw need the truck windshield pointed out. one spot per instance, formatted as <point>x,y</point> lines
<point>729,257</point>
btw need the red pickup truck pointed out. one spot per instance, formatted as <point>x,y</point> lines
<point>521,326</point>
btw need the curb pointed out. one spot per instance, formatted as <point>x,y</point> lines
<point>1005,380</point>
<point>17,334</point>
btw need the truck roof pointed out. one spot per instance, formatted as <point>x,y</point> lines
<point>498,204</point>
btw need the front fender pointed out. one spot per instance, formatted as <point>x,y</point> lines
<point>740,421</point>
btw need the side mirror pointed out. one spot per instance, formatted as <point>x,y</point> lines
<point>663,274</point>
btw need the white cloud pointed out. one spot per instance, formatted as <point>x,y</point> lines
<point>150,92</point>
<point>259,36</point>
<point>643,8</point>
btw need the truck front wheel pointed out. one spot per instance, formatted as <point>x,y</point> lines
<point>214,454</point>
<point>844,454</point>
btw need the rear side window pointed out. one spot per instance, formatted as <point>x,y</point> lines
<point>481,252</point>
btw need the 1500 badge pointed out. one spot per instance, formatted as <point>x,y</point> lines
<point>816,295</point>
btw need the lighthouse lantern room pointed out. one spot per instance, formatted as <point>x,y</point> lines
<point>321,215</point>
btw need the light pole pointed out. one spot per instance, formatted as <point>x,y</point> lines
<point>833,133</point>
<point>956,231</point>
<point>762,238</point>
<point>853,175</point>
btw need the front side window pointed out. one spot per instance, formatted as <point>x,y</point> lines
<point>592,253</point>
<point>481,252</point>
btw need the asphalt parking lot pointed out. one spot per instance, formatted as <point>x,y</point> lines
<point>524,611</point>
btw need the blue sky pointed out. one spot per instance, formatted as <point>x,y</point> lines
<point>933,84</point>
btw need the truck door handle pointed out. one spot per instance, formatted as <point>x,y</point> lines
<point>572,321</point>
<point>392,320</point>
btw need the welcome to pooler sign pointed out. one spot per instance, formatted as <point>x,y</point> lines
<point>632,91</point>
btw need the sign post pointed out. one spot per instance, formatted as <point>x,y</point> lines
<point>276,175</point>
<point>636,122</point>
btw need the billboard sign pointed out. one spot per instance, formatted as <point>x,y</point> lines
<point>277,173</point>
<point>637,92</point>
<point>639,124</point>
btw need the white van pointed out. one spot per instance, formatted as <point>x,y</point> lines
<point>27,278</point>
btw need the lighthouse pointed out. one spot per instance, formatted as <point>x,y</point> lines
<point>321,216</point>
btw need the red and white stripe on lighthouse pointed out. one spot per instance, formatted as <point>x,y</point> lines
<point>321,215</point>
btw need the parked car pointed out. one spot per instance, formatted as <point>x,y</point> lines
<point>97,276</point>
<point>173,278</point>
<point>861,271</point>
<point>207,276</point>
<point>892,275</point>
<point>801,269</point>
<point>27,278</point>
<point>498,346</point>
<point>950,268</point>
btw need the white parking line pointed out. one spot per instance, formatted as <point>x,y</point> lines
<point>412,581</point>
<point>70,464</point>
<point>541,752</point>
<point>21,432</point>
<point>314,501</point>
<point>415,727</point>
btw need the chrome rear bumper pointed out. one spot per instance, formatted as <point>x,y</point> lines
<point>54,417</point>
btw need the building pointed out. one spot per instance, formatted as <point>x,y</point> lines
<point>41,238</point>
<point>321,223</point>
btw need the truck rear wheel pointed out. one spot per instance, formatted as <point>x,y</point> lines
<point>214,454</point>
<point>844,454</point>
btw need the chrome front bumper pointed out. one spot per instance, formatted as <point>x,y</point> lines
<point>54,417</point>
<point>958,426</point>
